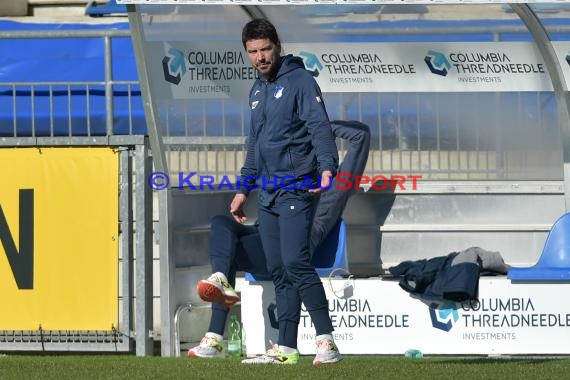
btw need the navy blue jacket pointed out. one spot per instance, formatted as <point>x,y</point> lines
<point>290,138</point>
<point>454,277</point>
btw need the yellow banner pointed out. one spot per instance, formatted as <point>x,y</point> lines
<point>59,239</point>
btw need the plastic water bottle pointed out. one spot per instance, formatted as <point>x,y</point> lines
<point>413,354</point>
<point>243,343</point>
<point>234,337</point>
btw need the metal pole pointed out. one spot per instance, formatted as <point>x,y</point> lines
<point>167,266</point>
<point>143,264</point>
<point>156,145</point>
<point>126,220</point>
<point>108,86</point>
<point>167,275</point>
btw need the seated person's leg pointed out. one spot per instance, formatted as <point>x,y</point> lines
<point>225,235</point>
<point>250,256</point>
<point>226,255</point>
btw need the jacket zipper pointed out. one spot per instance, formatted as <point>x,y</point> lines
<point>263,126</point>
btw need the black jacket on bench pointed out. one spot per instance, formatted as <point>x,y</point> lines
<point>454,277</point>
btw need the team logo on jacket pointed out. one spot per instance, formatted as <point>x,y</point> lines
<point>254,104</point>
<point>278,92</point>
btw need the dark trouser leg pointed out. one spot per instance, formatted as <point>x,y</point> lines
<point>218,319</point>
<point>295,220</point>
<point>286,295</point>
<point>225,235</point>
<point>226,254</point>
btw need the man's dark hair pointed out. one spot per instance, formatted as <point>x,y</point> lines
<point>259,29</point>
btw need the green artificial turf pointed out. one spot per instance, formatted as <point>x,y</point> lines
<point>352,367</point>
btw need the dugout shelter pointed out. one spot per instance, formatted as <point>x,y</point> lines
<point>472,96</point>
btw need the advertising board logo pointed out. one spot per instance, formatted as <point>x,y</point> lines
<point>21,262</point>
<point>312,63</point>
<point>444,316</point>
<point>173,66</point>
<point>437,63</point>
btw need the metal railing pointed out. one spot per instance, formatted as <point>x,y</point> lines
<point>453,136</point>
<point>409,135</point>
<point>90,113</point>
<point>71,112</point>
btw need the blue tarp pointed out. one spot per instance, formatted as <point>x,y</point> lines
<point>65,60</point>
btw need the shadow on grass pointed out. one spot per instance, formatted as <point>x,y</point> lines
<point>506,359</point>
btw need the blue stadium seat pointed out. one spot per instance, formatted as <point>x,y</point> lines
<point>109,8</point>
<point>554,262</point>
<point>329,255</point>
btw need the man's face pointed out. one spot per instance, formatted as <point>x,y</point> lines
<point>264,55</point>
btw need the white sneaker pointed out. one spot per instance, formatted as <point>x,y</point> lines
<point>327,352</point>
<point>217,289</point>
<point>274,356</point>
<point>209,347</point>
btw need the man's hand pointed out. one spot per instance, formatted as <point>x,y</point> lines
<point>236,208</point>
<point>326,179</point>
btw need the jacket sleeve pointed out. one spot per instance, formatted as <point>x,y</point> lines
<point>333,201</point>
<point>312,110</point>
<point>249,169</point>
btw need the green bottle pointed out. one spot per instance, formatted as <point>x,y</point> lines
<point>234,337</point>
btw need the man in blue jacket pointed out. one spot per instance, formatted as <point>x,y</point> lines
<point>237,247</point>
<point>292,156</point>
